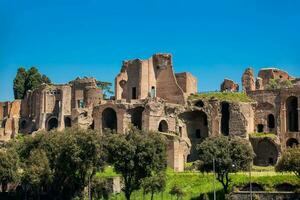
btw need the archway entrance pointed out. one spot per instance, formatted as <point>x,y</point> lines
<point>163,126</point>
<point>52,124</point>
<point>266,153</point>
<point>225,118</point>
<point>197,130</point>
<point>292,114</point>
<point>292,142</point>
<point>137,117</point>
<point>68,122</point>
<point>109,119</point>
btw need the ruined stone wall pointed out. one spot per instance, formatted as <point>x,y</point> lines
<point>187,82</point>
<point>229,85</point>
<point>272,73</point>
<point>248,80</point>
<point>241,119</point>
<point>153,77</point>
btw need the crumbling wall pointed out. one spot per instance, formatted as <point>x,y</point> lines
<point>241,119</point>
<point>229,86</point>
<point>272,73</point>
<point>187,82</point>
<point>248,80</point>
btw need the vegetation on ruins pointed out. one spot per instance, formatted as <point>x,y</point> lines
<point>136,156</point>
<point>223,96</point>
<point>262,135</point>
<point>290,161</point>
<point>28,80</point>
<point>278,83</point>
<point>231,154</point>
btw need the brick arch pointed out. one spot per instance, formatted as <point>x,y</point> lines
<point>266,151</point>
<point>52,123</point>
<point>109,119</point>
<point>163,126</point>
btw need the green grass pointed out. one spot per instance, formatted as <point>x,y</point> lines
<point>262,135</point>
<point>223,96</point>
<point>107,173</point>
<point>195,183</point>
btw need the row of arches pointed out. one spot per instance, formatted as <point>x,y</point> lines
<point>52,123</point>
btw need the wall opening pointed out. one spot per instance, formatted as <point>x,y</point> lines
<point>52,124</point>
<point>292,114</point>
<point>23,124</point>
<point>266,153</point>
<point>199,104</point>
<point>153,92</point>
<point>197,130</point>
<point>92,126</point>
<point>137,117</point>
<point>68,122</point>
<point>292,142</point>
<point>133,92</point>
<point>109,119</point>
<point>163,126</point>
<point>260,128</point>
<point>225,118</point>
<point>271,121</point>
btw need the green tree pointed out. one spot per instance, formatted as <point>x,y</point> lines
<point>106,88</point>
<point>74,156</point>
<point>135,156</point>
<point>36,171</point>
<point>19,83</point>
<point>289,161</point>
<point>28,80</point>
<point>9,166</point>
<point>154,184</point>
<point>177,191</point>
<point>278,83</point>
<point>231,154</point>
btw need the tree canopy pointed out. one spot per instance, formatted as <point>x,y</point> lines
<point>28,80</point>
<point>64,161</point>
<point>106,88</point>
<point>231,154</point>
<point>290,161</point>
<point>136,155</point>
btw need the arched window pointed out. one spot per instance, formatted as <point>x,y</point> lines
<point>292,114</point>
<point>271,121</point>
<point>109,119</point>
<point>225,118</point>
<point>163,126</point>
<point>52,123</point>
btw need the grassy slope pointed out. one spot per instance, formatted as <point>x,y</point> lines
<point>223,96</point>
<point>195,183</point>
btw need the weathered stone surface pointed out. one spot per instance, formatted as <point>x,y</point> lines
<point>248,80</point>
<point>229,86</point>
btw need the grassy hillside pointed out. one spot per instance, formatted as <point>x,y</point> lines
<point>194,183</point>
<point>223,96</point>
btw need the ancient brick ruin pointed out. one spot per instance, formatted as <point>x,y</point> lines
<point>151,96</point>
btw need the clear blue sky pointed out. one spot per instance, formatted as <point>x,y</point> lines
<point>211,39</point>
